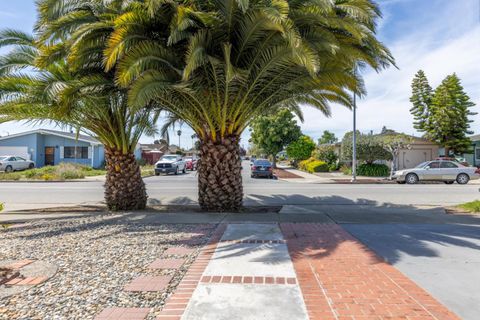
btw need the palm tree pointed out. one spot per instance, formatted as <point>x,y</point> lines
<point>48,78</point>
<point>217,64</point>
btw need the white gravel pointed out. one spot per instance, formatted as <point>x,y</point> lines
<point>96,257</point>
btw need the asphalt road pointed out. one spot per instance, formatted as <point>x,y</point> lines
<point>182,189</point>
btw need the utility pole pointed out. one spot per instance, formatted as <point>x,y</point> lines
<point>354,142</point>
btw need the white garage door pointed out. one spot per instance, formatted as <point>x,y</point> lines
<point>15,151</point>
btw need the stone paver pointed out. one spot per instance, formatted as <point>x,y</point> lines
<point>249,276</point>
<point>123,314</point>
<point>178,251</point>
<point>246,302</point>
<point>342,279</point>
<point>167,263</point>
<point>148,283</point>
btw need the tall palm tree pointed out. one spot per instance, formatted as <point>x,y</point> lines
<point>217,64</point>
<point>49,78</point>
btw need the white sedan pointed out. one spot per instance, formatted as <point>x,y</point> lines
<point>15,163</point>
<point>438,170</point>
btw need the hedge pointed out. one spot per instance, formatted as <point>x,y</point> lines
<point>312,165</point>
<point>373,170</point>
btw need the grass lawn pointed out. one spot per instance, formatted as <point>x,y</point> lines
<point>473,207</point>
<point>61,172</point>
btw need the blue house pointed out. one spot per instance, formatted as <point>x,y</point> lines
<point>51,147</point>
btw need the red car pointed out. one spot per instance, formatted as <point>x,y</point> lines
<point>190,163</point>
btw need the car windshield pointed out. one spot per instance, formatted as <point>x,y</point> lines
<point>421,165</point>
<point>262,163</point>
<point>169,158</point>
<point>3,158</point>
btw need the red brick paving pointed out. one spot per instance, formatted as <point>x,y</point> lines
<point>177,303</point>
<point>26,281</point>
<point>178,251</point>
<point>123,314</point>
<point>167,263</point>
<point>340,278</point>
<point>148,283</point>
<point>19,264</point>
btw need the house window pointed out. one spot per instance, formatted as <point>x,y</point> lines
<point>75,152</point>
<point>477,153</point>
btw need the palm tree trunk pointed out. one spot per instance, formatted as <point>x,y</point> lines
<point>124,187</point>
<point>219,175</point>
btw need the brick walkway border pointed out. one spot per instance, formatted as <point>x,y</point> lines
<point>341,278</point>
<point>177,303</point>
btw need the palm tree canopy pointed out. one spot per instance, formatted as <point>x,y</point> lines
<point>217,64</point>
<point>44,79</point>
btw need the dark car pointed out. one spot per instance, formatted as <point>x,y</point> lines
<point>261,168</point>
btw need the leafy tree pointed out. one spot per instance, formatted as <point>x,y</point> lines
<point>42,81</point>
<point>326,153</point>
<point>327,138</point>
<point>443,115</point>
<point>273,132</point>
<point>369,148</point>
<point>449,120</point>
<point>393,143</point>
<point>301,149</point>
<point>218,64</point>
<point>421,100</point>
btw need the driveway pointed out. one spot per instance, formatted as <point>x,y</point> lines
<point>443,259</point>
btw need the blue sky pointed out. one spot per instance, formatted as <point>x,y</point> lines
<point>438,36</point>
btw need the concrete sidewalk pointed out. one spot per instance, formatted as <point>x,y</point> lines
<point>298,272</point>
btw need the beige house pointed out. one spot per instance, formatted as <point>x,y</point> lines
<point>421,150</point>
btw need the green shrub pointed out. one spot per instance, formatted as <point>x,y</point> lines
<point>48,177</point>
<point>302,165</point>
<point>326,153</point>
<point>317,166</point>
<point>346,170</point>
<point>373,170</point>
<point>10,176</point>
<point>71,174</point>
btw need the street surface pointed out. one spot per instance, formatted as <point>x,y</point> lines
<point>182,189</point>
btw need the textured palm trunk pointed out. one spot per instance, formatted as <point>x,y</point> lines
<point>219,175</point>
<point>124,187</point>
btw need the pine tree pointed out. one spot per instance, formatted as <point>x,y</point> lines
<point>421,99</point>
<point>449,116</point>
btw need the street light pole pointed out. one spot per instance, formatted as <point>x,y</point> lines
<point>354,142</point>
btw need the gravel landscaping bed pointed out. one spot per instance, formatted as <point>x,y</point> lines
<point>96,257</point>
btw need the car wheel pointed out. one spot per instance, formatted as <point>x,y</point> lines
<point>448,182</point>
<point>252,176</point>
<point>411,178</point>
<point>157,173</point>
<point>463,178</point>
<point>176,171</point>
<point>31,166</point>
<point>8,169</point>
<point>184,170</point>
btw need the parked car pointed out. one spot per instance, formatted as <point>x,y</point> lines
<point>438,170</point>
<point>191,163</point>
<point>460,160</point>
<point>15,163</point>
<point>170,163</point>
<point>252,160</point>
<point>261,168</point>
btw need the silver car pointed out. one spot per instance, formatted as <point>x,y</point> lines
<point>15,163</point>
<point>438,170</point>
